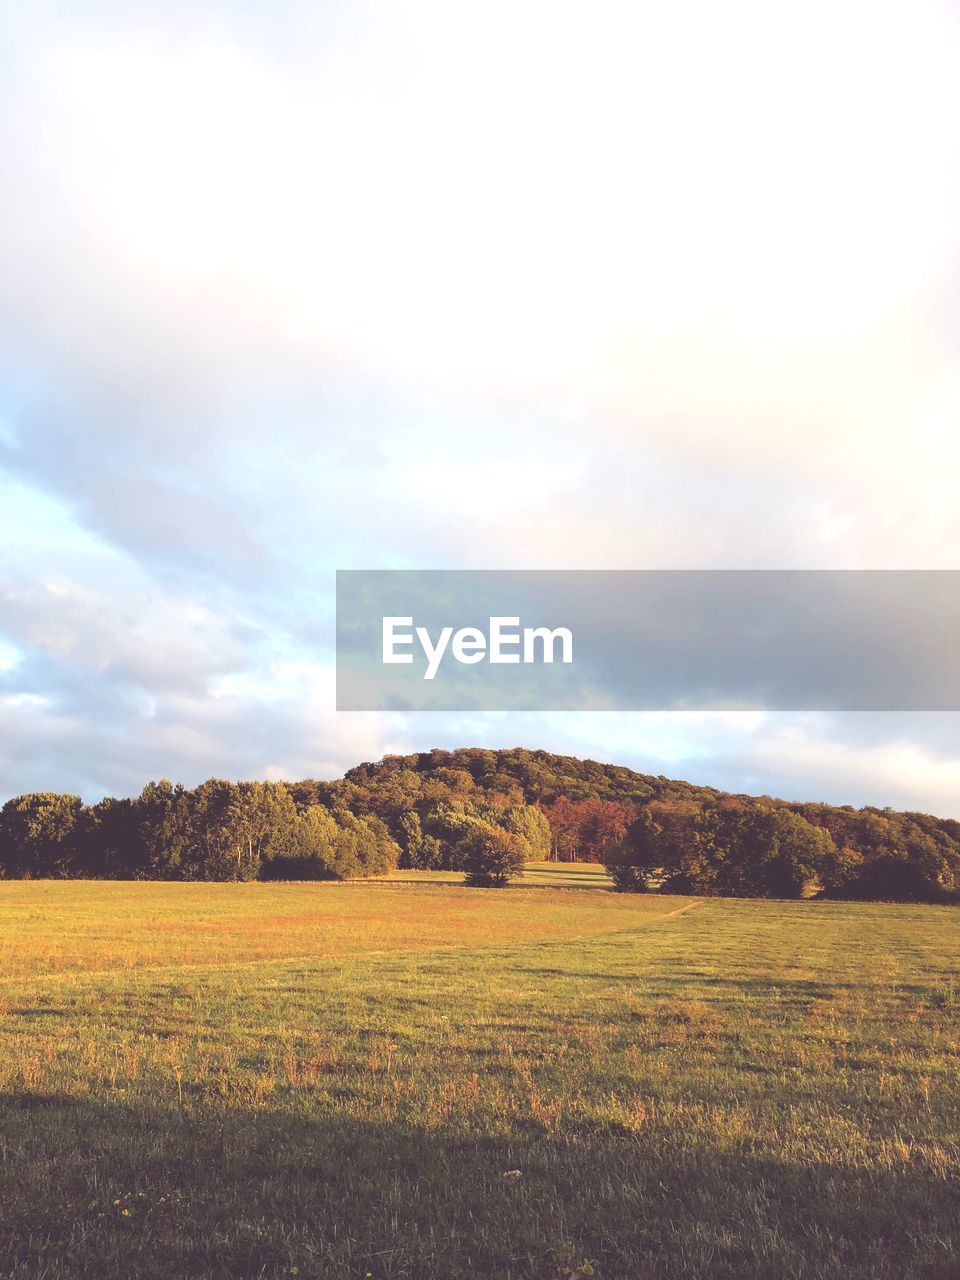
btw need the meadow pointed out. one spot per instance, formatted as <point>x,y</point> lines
<point>410,1078</point>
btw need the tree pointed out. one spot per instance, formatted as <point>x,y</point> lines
<point>652,832</point>
<point>565,822</point>
<point>164,832</point>
<point>797,855</point>
<point>492,857</point>
<point>333,846</point>
<point>530,823</point>
<point>604,822</point>
<point>419,850</point>
<point>379,852</point>
<point>219,831</point>
<point>896,877</point>
<point>448,825</point>
<point>109,841</point>
<point>661,844</point>
<point>260,823</point>
<point>313,855</point>
<point>212,852</point>
<point>760,851</point>
<point>581,829</point>
<point>38,835</point>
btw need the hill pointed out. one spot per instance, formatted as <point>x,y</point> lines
<point>422,811</point>
<point>698,838</point>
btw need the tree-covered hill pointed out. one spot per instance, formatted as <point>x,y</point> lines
<point>476,808</point>
<point>671,832</point>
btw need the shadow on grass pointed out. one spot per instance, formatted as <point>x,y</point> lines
<point>92,1187</point>
<point>588,877</point>
<point>599,884</point>
<point>656,983</point>
<point>603,887</point>
<point>36,1011</point>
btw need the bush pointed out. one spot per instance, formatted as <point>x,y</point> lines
<point>492,857</point>
<point>620,859</point>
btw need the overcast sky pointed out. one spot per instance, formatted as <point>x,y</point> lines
<point>310,286</point>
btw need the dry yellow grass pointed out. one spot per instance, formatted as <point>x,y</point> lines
<point>72,928</point>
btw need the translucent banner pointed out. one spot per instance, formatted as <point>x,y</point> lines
<point>505,640</point>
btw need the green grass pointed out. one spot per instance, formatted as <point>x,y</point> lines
<point>548,875</point>
<point>745,1090</point>
<point>62,929</point>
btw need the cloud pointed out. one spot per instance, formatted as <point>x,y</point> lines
<point>369,285</point>
<point>584,210</point>
<point>905,761</point>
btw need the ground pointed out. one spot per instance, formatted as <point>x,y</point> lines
<point>415,1079</point>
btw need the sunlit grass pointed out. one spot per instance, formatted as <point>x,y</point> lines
<point>746,1090</point>
<point>64,927</point>
<point>552,875</point>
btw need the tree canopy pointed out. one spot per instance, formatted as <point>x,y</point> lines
<point>425,810</point>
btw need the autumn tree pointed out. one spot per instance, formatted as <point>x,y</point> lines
<point>581,829</point>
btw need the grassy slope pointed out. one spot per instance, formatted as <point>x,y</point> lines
<point>746,1090</point>
<point>62,927</point>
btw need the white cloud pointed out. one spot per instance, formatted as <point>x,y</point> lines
<point>415,285</point>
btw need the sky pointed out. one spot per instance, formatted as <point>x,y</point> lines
<point>310,286</point>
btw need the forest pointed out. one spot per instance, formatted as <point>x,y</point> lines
<point>486,813</point>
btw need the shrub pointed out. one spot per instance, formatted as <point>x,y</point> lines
<point>620,859</point>
<point>492,857</point>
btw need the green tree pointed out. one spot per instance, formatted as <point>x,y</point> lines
<point>621,860</point>
<point>221,830</point>
<point>39,835</point>
<point>260,823</point>
<point>411,838</point>
<point>492,857</point>
<point>211,853</point>
<point>530,823</point>
<point>662,844</point>
<point>768,852</point>
<point>164,831</point>
<point>109,841</point>
<point>334,846</point>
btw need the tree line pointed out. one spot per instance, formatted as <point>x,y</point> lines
<point>486,813</point>
<point>218,831</point>
<point>244,831</point>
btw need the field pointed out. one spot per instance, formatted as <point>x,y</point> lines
<point>414,1079</point>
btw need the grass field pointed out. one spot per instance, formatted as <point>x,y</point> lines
<point>55,927</point>
<point>414,1079</point>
